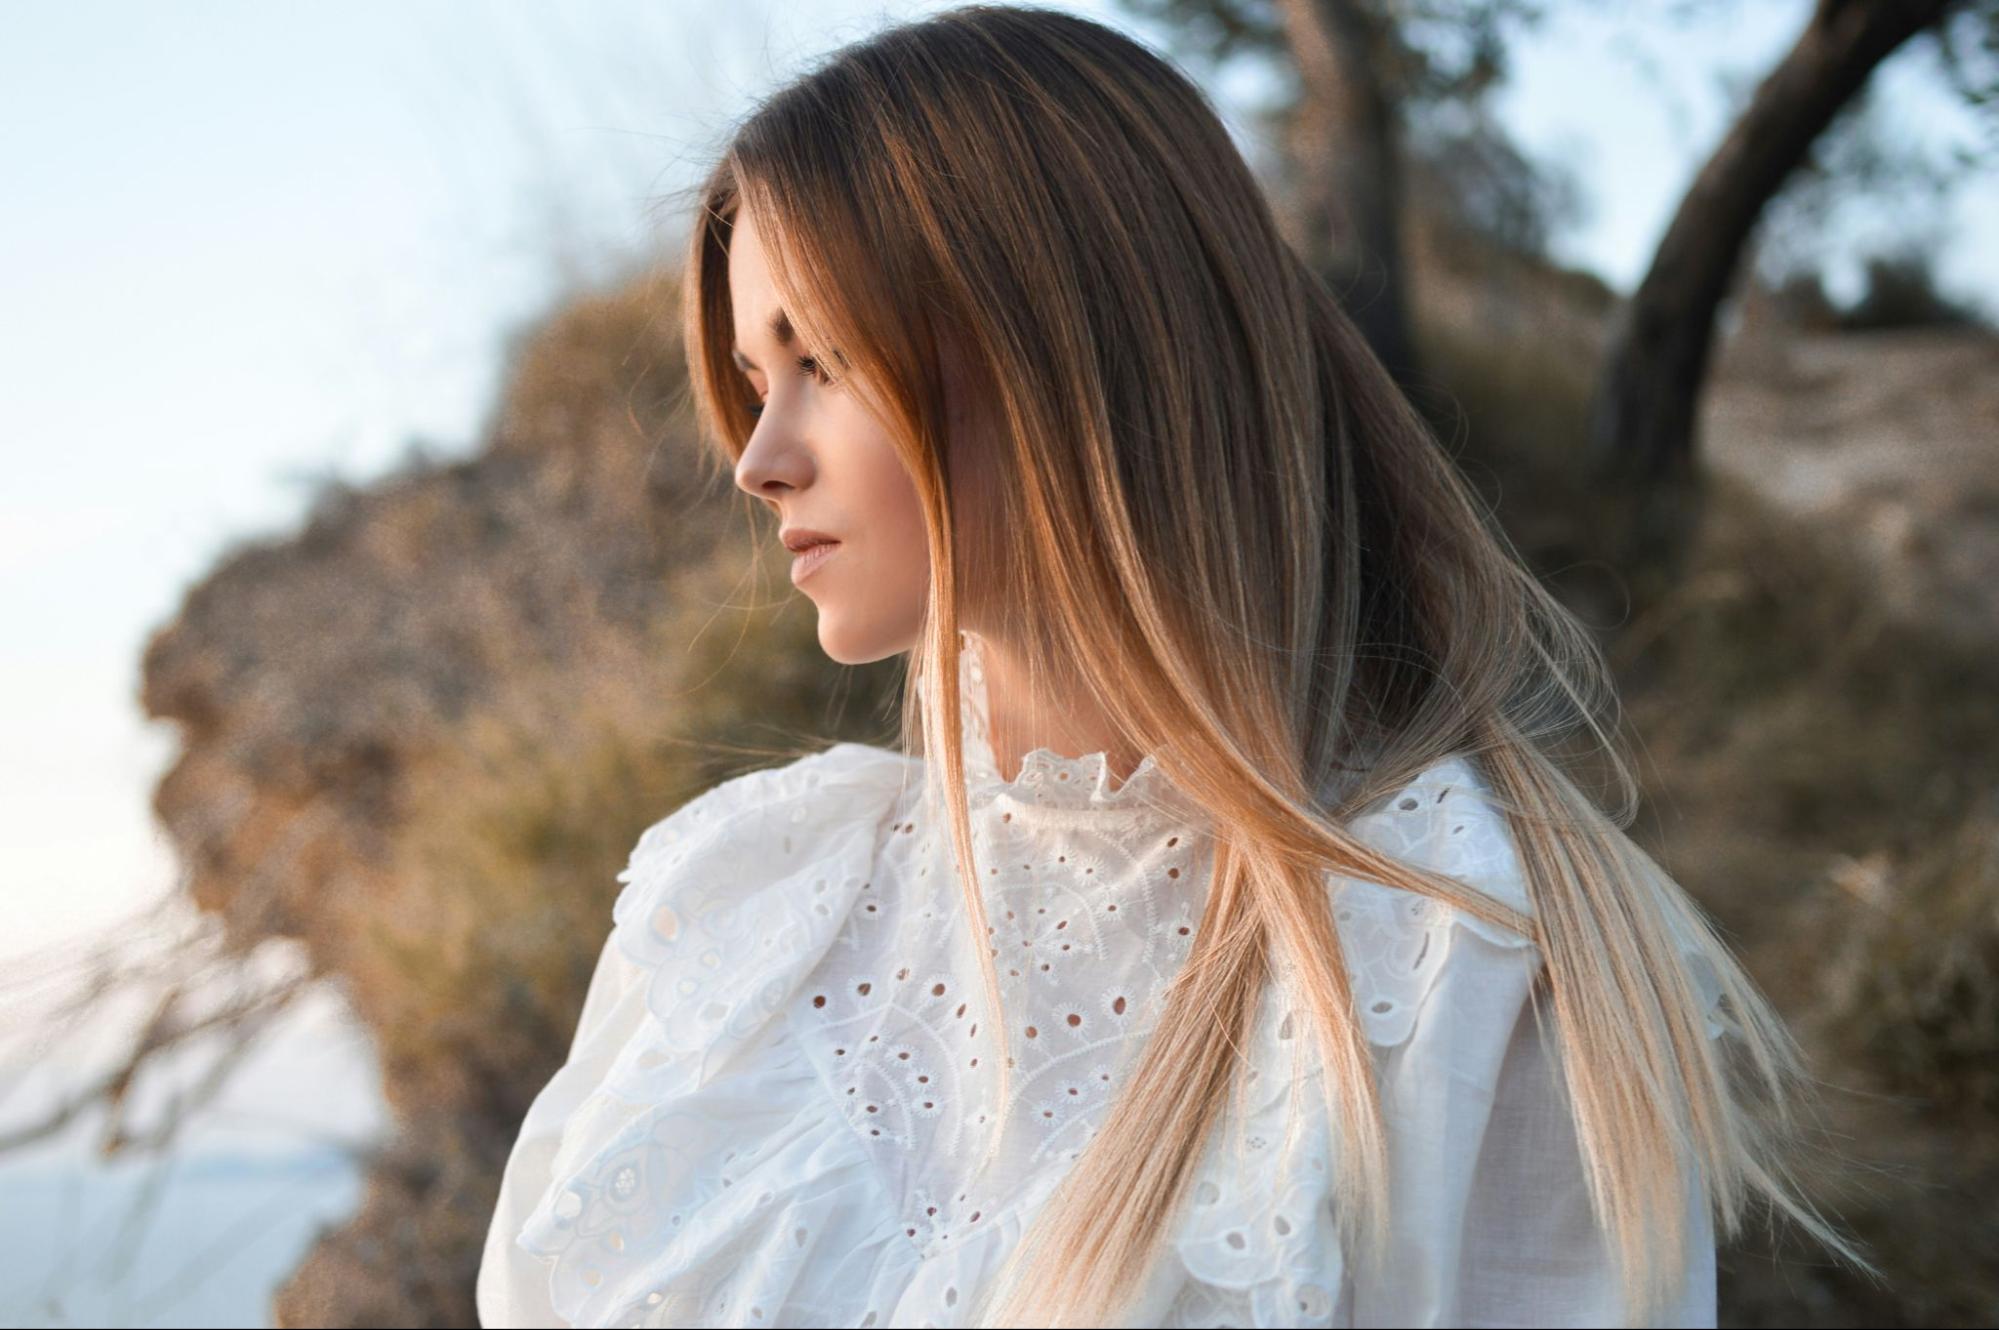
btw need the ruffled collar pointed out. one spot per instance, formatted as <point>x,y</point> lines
<point>1047,778</point>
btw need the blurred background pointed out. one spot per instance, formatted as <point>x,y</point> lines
<point>365,596</point>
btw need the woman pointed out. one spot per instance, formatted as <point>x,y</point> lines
<point>1315,991</point>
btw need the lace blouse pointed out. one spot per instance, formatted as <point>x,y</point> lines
<point>783,1075</point>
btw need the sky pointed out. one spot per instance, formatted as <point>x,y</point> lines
<point>249,245</point>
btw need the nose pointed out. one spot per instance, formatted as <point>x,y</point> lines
<point>771,466</point>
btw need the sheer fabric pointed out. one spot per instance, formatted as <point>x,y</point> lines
<point>783,1075</point>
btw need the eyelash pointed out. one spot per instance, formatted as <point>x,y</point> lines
<point>808,367</point>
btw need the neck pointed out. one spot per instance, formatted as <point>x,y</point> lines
<point>1027,714</point>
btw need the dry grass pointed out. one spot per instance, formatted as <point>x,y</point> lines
<point>1821,769</point>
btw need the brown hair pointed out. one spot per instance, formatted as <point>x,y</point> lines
<point>1227,523</point>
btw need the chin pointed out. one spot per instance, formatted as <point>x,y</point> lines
<point>859,644</point>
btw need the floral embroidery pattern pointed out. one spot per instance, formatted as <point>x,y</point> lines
<point>811,1073</point>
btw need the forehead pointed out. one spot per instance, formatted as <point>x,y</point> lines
<point>757,303</point>
<point>753,302</point>
<point>747,270</point>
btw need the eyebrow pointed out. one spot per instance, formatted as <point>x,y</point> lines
<point>779,325</point>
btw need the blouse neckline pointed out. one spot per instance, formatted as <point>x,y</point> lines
<point>1047,778</point>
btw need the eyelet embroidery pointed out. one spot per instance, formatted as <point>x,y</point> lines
<point>862,964</point>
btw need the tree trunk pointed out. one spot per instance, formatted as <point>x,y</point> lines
<point>1344,141</point>
<point>1641,429</point>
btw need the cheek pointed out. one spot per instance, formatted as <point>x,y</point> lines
<point>893,517</point>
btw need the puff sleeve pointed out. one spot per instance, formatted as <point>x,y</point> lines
<point>512,1287</point>
<point>678,1062</point>
<point>1491,1223</point>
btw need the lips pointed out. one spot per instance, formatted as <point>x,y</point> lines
<point>809,557</point>
<point>798,539</point>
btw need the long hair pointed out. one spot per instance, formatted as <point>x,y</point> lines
<point>1223,521</point>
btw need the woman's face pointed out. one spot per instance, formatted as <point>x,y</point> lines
<point>822,461</point>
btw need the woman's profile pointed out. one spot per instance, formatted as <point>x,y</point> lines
<point>1235,942</point>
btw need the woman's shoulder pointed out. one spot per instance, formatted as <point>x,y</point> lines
<point>1445,820</point>
<point>820,787</point>
<point>1403,947</point>
<point>728,902</point>
<point>734,895</point>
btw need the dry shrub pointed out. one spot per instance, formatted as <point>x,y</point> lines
<point>1910,970</point>
<point>1822,775</point>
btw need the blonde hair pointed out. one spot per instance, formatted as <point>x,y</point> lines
<point>1234,532</point>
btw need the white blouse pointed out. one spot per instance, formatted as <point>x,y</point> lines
<point>783,1075</point>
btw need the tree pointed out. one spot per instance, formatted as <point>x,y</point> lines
<point>1358,75</point>
<point>1641,427</point>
